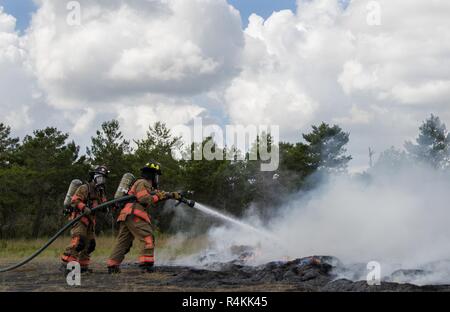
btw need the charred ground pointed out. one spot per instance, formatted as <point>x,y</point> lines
<point>306,274</point>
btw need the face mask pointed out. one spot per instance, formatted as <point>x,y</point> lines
<point>99,180</point>
<point>155,181</point>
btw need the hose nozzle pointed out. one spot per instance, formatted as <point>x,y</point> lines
<point>188,202</point>
<point>186,193</point>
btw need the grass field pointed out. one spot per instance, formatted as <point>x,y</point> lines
<point>169,246</point>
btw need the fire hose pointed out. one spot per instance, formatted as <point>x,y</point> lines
<point>125,199</point>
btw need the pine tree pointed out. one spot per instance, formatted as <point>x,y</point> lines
<point>45,164</point>
<point>108,145</point>
<point>158,146</point>
<point>432,145</point>
<point>111,149</point>
<point>391,160</point>
<point>326,147</point>
<point>7,145</point>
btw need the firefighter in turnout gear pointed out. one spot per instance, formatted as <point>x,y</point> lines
<point>87,196</point>
<point>135,221</point>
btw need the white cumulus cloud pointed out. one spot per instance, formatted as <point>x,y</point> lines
<point>126,48</point>
<point>172,60</point>
<point>130,59</point>
<point>16,83</point>
<point>326,63</point>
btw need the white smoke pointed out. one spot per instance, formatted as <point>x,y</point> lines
<point>399,218</point>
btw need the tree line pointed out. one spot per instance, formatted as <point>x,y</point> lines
<point>35,172</point>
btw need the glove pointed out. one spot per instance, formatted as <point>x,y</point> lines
<point>176,195</point>
<point>161,195</point>
<point>87,211</point>
<point>166,195</point>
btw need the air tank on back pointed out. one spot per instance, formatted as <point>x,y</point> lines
<point>125,184</point>
<point>74,185</point>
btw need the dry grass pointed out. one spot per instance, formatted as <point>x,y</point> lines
<point>170,246</point>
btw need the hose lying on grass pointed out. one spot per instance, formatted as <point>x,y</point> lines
<point>124,199</point>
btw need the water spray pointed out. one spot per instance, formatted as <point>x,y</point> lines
<point>232,220</point>
<point>217,214</point>
<point>229,219</point>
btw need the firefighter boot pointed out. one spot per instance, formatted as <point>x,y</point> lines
<point>86,270</point>
<point>63,268</point>
<point>113,269</point>
<point>147,267</point>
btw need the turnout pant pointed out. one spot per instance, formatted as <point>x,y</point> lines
<point>81,245</point>
<point>133,227</point>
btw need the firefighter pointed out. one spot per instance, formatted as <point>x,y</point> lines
<point>134,221</point>
<point>86,197</point>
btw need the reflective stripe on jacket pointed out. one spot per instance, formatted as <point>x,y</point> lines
<point>84,194</point>
<point>142,189</point>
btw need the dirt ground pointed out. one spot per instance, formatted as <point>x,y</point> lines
<point>307,274</point>
<point>45,276</point>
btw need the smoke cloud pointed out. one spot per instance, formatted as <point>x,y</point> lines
<point>398,217</point>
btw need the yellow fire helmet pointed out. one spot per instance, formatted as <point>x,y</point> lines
<point>153,166</point>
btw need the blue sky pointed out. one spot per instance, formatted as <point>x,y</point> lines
<point>22,9</point>
<point>263,8</point>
